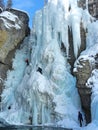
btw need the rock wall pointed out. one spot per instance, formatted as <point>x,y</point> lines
<point>23,17</point>
<point>84,67</point>
<point>72,58</point>
<point>92,6</point>
<point>82,74</point>
<point>13,29</point>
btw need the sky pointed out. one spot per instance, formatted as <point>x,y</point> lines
<point>29,6</point>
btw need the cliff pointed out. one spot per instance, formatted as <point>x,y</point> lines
<point>87,60</point>
<point>86,63</point>
<point>13,29</point>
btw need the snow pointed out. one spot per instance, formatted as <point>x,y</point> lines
<point>86,18</point>
<point>91,126</point>
<point>93,83</point>
<point>9,15</point>
<point>92,37</point>
<point>9,18</point>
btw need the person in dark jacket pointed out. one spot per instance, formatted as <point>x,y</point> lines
<point>27,61</point>
<point>80,118</point>
<point>9,107</point>
<point>39,70</point>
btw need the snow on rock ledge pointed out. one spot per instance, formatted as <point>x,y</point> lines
<point>12,32</point>
<point>10,20</point>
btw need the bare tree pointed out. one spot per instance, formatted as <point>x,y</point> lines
<point>9,4</point>
<point>2,4</point>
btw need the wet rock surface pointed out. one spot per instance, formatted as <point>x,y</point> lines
<point>82,74</point>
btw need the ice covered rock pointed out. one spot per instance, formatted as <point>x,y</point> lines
<point>13,29</point>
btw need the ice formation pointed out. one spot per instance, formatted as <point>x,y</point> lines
<point>50,95</point>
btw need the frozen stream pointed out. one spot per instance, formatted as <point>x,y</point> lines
<point>32,128</point>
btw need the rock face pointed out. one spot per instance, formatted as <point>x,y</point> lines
<point>23,17</point>
<point>84,67</point>
<point>72,58</point>
<point>92,6</point>
<point>13,29</point>
<point>82,74</point>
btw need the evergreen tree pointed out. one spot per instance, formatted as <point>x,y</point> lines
<point>9,4</point>
<point>2,4</point>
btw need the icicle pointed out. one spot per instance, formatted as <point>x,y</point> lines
<point>75,17</point>
<point>87,4</point>
<point>43,113</point>
<point>65,38</point>
<point>76,38</point>
<point>35,111</point>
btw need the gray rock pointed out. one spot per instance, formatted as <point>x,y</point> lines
<point>83,70</point>
<point>13,29</point>
<point>82,74</point>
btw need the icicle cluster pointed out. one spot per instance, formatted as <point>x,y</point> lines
<point>47,90</point>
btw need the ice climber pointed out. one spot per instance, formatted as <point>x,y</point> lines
<point>27,61</point>
<point>80,118</point>
<point>39,70</point>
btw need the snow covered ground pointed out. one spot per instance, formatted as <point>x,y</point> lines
<point>91,126</point>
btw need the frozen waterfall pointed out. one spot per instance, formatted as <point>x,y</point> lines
<point>47,95</point>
